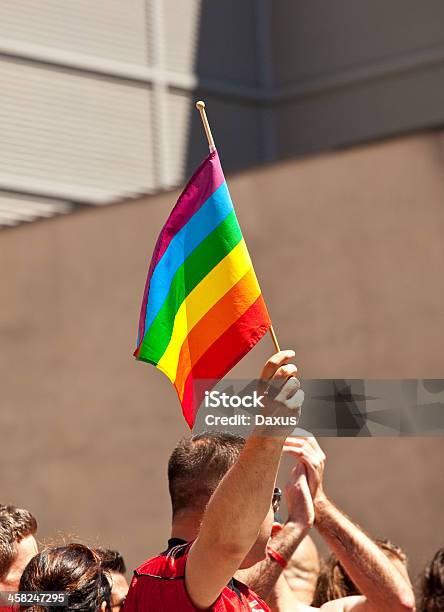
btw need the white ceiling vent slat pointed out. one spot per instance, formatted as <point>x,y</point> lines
<point>90,106</point>
<point>112,29</point>
<point>75,129</point>
<point>182,21</point>
<point>15,209</point>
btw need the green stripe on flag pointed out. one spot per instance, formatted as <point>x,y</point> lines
<point>198,264</point>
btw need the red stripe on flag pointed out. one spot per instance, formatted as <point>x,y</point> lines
<point>223,355</point>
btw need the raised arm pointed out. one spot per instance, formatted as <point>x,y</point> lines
<point>382,586</point>
<point>241,502</point>
<point>262,577</point>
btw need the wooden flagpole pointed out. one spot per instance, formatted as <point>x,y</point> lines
<point>203,115</point>
<point>200,105</point>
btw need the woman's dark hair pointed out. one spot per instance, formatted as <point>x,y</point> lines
<point>111,560</point>
<point>333,583</point>
<point>433,585</point>
<point>74,569</point>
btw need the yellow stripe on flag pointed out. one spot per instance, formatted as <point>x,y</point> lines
<point>209,291</point>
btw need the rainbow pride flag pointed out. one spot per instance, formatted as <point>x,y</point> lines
<point>202,308</point>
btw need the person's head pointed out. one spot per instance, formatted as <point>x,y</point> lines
<point>302,570</point>
<point>333,581</point>
<point>74,569</point>
<point>432,588</point>
<point>17,544</point>
<point>195,468</point>
<point>114,565</point>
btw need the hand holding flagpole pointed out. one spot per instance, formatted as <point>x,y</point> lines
<point>200,105</point>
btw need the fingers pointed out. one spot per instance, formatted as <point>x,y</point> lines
<point>313,462</point>
<point>312,474</point>
<point>305,453</point>
<point>305,449</point>
<point>298,478</point>
<point>299,497</point>
<point>275,362</point>
<point>291,394</point>
<point>275,378</point>
<point>295,401</point>
<point>284,372</point>
<point>309,454</point>
<point>298,441</point>
<point>302,482</point>
<point>296,473</point>
<point>304,487</point>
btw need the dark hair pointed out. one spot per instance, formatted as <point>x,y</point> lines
<point>74,569</point>
<point>15,524</point>
<point>197,465</point>
<point>432,596</point>
<point>111,560</point>
<point>334,582</point>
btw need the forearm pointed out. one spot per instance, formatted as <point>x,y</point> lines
<point>242,500</point>
<point>237,509</point>
<point>364,562</point>
<point>262,577</point>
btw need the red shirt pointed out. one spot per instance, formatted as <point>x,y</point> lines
<point>158,585</point>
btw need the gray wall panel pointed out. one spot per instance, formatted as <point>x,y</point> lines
<point>180,110</point>
<point>317,37</point>
<point>365,111</point>
<point>228,41</point>
<point>237,132</point>
<point>112,29</point>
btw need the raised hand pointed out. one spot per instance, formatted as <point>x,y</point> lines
<point>308,451</point>
<point>283,396</point>
<point>298,496</point>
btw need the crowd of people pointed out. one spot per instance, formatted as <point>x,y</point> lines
<point>227,551</point>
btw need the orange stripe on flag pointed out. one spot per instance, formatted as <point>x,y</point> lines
<point>222,355</point>
<point>214,323</point>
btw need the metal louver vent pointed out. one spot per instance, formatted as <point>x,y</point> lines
<point>77,117</point>
<point>15,209</point>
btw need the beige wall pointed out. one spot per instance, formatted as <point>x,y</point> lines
<point>349,250</point>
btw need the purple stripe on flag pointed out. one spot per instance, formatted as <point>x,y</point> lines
<point>204,182</point>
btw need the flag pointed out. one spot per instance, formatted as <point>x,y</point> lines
<point>202,308</point>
